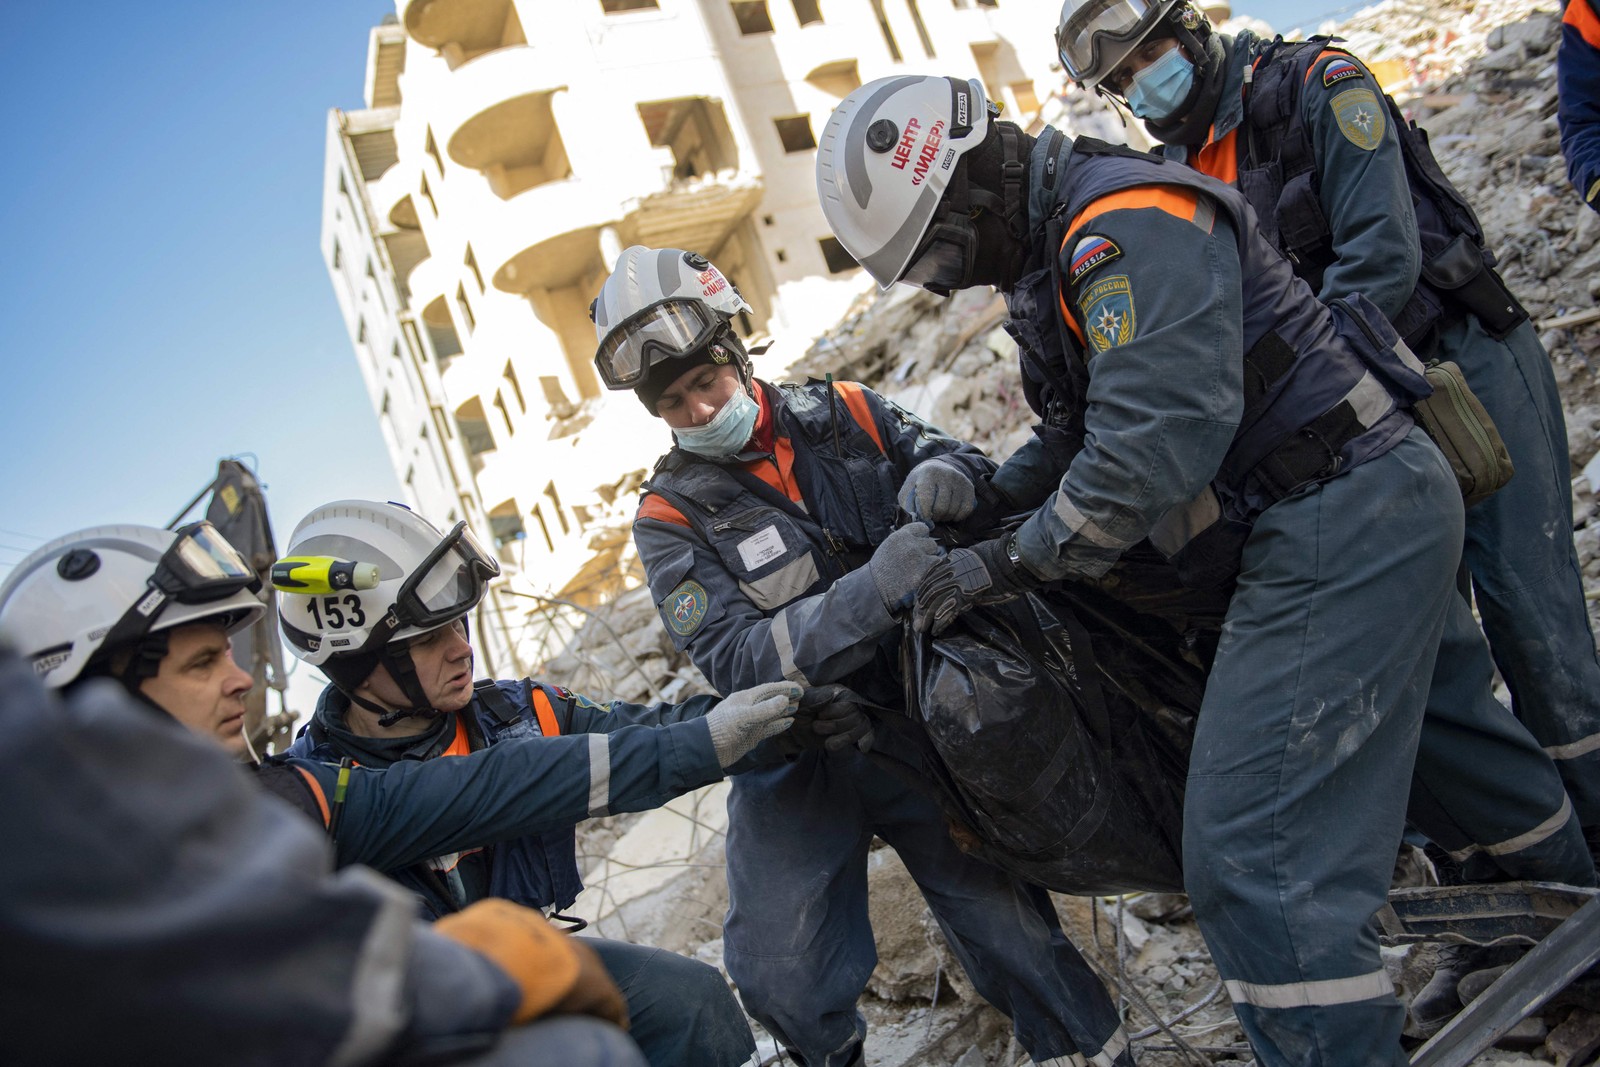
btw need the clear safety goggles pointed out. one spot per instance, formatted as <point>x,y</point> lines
<point>448,582</point>
<point>1099,27</point>
<point>200,567</point>
<point>662,331</point>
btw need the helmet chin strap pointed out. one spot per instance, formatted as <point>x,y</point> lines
<point>397,659</point>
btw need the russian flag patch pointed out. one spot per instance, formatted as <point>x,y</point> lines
<point>1090,253</point>
<point>1338,71</point>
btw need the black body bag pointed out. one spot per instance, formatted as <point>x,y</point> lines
<point>1055,730</point>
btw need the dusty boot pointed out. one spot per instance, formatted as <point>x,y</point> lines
<point>1441,999</point>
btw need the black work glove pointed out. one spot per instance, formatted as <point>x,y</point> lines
<point>982,574</point>
<point>834,716</point>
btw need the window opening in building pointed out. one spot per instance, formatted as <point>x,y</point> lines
<point>782,256</point>
<point>795,133</point>
<point>768,220</point>
<point>475,433</point>
<point>1027,99</point>
<point>377,290</point>
<point>361,331</point>
<point>472,265</point>
<point>807,12</point>
<point>414,342</point>
<point>613,7</point>
<point>338,255</point>
<point>446,342</point>
<point>696,130</point>
<point>438,417</point>
<point>883,27</point>
<point>505,414</point>
<point>538,517</point>
<point>427,194</point>
<point>431,147</point>
<point>752,16</point>
<point>555,502</point>
<point>922,29</point>
<point>836,257</point>
<point>988,3</point>
<point>505,525</point>
<point>510,375</point>
<point>466,309</point>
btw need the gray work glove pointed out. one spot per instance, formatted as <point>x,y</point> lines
<point>982,574</point>
<point>937,491</point>
<point>898,564</point>
<point>748,717</point>
<point>834,715</point>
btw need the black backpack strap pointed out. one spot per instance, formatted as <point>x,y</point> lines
<point>493,699</point>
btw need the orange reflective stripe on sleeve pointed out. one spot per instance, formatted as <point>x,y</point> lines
<point>856,401</point>
<point>1072,323</point>
<point>654,507</point>
<point>316,791</point>
<point>546,713</point>
<point>1181,203</point>
<point>1581,17</point>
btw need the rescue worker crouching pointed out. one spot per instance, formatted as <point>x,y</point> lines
<point>402,690</point>
<point>1196,395</point>
<point>98,915</point>
<point>768,537</point>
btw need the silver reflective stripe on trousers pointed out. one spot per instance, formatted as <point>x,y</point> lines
<point>785,649</point>
<point>1573,749</point>
<point>1522,841</point>
<point>1312,994</point>
<point>599,774</point>
<point>1115,1045</point>
<point>1074,1060</point>
<point>783,584</point>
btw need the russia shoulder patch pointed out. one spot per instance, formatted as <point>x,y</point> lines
<point>1360,117</point>
<point>1339,70</point>
<point>1107,308</point>
<point>685,607</point>
<point>1089,253</point>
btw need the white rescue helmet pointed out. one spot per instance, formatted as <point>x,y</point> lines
<point>885,159</point>
<point>658,304</point>
<point>1094,36</point>
<point>74,602</point>
<point>426,579</point>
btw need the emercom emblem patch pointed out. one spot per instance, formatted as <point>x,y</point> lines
<point>684,608</point>
<point>1090,253</point>
<point>1339,70</point>
<point>1107,308</point>
<point>1360,117</point>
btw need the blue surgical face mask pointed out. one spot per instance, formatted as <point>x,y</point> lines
<point>1160,89</point>
<point>725,435</point>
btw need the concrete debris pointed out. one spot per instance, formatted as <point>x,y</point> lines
<point>1479,76</point>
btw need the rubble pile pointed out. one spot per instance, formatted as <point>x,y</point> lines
<point>1482,82</point>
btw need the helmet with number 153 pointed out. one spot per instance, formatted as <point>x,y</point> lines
<point>426,579</point>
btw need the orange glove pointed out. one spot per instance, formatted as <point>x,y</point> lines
<point>556,973</point>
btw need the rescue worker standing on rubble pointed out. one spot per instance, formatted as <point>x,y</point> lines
<point>768,537</point>
<point>1304,132</point>
<point>1578,82</point>
<point>110,908</point>
<point>402,689</point>
<point>1196,393</point>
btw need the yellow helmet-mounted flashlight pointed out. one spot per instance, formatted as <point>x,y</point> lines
<point>316,575</point>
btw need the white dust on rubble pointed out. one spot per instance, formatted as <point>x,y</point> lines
<point>1480,78</point>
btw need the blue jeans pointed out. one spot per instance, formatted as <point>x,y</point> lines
<point>1304,750</point>
<point>680,1011</point>
<point>1524,567</point>
<point>799,944</point>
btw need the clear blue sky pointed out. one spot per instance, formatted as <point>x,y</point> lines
<point>164,300</point>
<point>165,303</point>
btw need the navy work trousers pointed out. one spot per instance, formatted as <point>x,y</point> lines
<point>680,1011</point>
<point>798,941</point>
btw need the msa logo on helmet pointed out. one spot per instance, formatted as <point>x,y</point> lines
<point>338,642</point>
<point>961,109</point>
<point>46,662</point>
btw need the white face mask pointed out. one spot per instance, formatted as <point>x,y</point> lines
<point>725,435</point>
